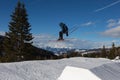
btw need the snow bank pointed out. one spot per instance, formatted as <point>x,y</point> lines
<point>51,69</point>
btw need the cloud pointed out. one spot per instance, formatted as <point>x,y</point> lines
<point>44,36</point>
<point>112,32</point>
<point>107,6</point>
<point>113,23</point>
<point>2,33</point>
<point>88,23</point>
<point>113,28</point>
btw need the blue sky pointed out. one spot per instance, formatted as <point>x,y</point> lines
<point>98,20</point>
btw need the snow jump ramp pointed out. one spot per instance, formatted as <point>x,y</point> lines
<point>74,73</point>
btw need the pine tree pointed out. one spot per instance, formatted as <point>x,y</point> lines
<point>112,52</point>
<point>19,32</point>
<point>104,54</point>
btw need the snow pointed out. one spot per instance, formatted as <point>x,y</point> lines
<point>73,73</point>
<point>52,69</point>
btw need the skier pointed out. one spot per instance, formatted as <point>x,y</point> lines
<point>63,31</point>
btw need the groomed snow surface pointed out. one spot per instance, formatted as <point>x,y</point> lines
<point>73,73</point>
<point>103,69</point>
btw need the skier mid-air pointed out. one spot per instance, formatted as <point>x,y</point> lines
<point>63,31</point>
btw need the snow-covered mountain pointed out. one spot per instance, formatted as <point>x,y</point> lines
<point>71,43</point>
<point>51,69</point>
<point>50,43</point>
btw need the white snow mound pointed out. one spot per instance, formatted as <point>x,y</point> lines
<point>73,73</point>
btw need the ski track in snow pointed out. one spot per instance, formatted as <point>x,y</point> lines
<point>52,69</point>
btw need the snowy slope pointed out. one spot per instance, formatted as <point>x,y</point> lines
<point>52,69</point>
